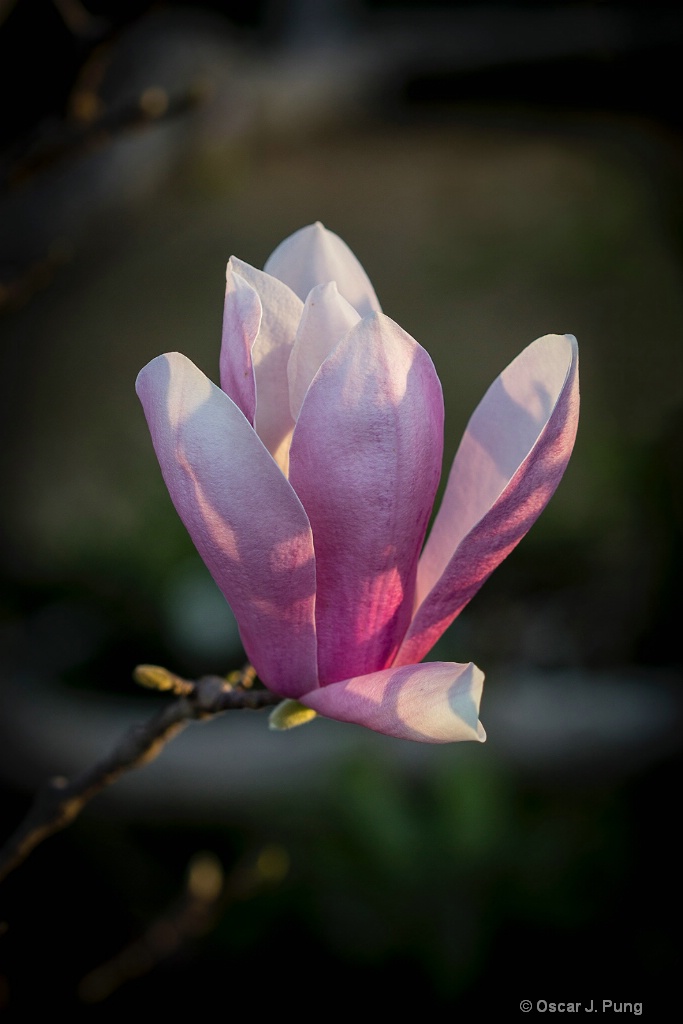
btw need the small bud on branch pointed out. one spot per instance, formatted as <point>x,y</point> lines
<point>60,800</point>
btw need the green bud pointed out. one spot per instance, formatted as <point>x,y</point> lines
<point>154,677</point>
<point>289,714</point>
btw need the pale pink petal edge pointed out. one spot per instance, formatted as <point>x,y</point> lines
<point>242,314</point>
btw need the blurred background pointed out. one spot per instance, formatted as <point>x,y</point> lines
<point>502,172</point>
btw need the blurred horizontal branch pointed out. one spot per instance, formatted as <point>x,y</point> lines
<point>60,801</point>
<point>93,128</point>
<point>208,892</point>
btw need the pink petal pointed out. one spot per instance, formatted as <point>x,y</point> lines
<point>365,462</point>
<point>243,516</point>
<point>241,324</point>
<point>437,702</point>
<point>511,459</point>
<point>326,318</point>
<point>270,354</point>
<point>314,255</point>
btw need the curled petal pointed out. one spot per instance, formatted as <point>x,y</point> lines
<point>326,318</point>
<point>437,702</point>
<point>242,515</point>
<point>511,459</point>
<point>270,354</point>
<point>365,461</point>
<point>241,325</point>
<point>313,255</point>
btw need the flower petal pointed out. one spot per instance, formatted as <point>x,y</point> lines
<point>511,459</point>
<point>326,318</point>
<point>365,462</point>
<point>241,323</point>
<point>313,255</point>
<point>437,702</point>
<point>243,516</point>
<point>270,354</point>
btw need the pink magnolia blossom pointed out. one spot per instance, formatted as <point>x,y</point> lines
<point>306,481</point>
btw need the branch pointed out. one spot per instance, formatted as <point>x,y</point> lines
<point>206,896</point>
<point>59,801</point>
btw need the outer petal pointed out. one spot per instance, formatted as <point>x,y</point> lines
<point>270,354</point>
<point>241,325</point>
<point>437,702</point>
<point>511,459</point>
<point>326,318</point>
<point>243,516</point>
<point>314,255</point>
<point>365,461</point>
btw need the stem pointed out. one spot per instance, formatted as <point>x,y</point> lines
<point>60,801</point>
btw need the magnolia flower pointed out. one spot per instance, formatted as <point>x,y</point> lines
<point>306,481</point>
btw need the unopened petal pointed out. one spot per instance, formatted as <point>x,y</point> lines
<point>365,461</point>
<point>242,515</point>
<point>241,325</point>
<point>437,702</point>
<point>326,318</point>
<point>270,355</point>
<point>313,255</point>
<point>511,459</point>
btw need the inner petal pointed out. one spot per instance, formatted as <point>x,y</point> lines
<point>312,256</point>
<point>326,318</point>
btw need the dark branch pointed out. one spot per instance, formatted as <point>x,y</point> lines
<point>60,800</point>
<point>206,896</point>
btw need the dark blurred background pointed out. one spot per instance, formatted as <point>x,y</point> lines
<point>502,172</point>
